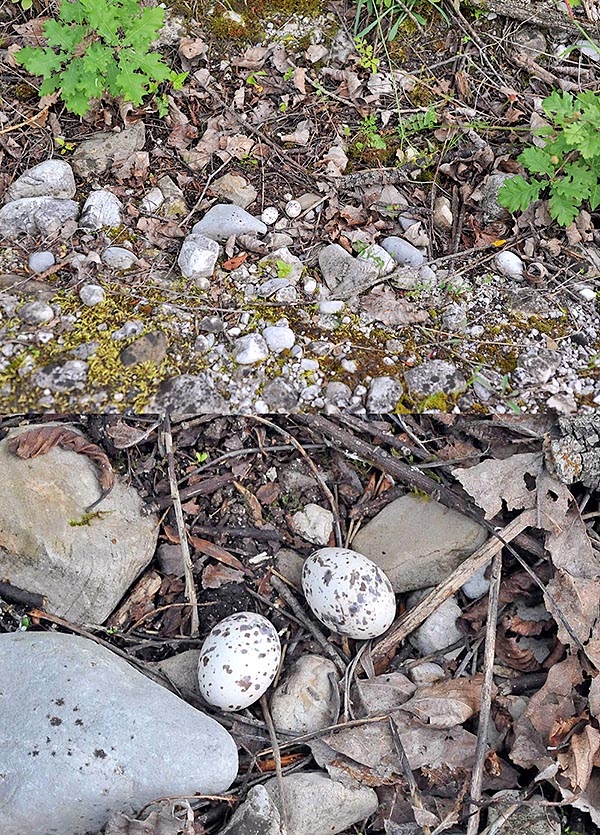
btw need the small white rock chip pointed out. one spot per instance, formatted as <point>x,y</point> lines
<point>332,306</point>
<point>151,202</point>
<point>293,208</point>
<point>426,673</point>
<point>442,214</point>
<point>587,293</point>
<point>39,262</point>
<point>279,338</point>
<point>310,285</point>
<point>250,349</point>
<point>102,208</point>
<point>197,259</point>
<point>509,264</point>
<point>477,585</point>
<point>440,629</point>
<point>314,523</point>
<point>91,295</point>
<point>270,215</point>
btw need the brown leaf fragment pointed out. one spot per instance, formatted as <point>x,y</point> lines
<point>578,761</point>
<point>445,704</point>
<point>42,439</point>
<point>216,552</point>
<point>215,576</point>
<point>252,504</point>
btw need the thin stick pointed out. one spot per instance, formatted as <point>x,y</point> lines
<point>415,794</point>
<point>415,617</point>
<point>319,636</point>
<point>277,758</point>
<point>190,587</point>
<point>486,694</point>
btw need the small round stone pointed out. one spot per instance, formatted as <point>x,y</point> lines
<point>39,262</point>
<point>92,294</point>
<point>270,215</point>
<point>36,313</point>
<point>293,208</point>
<point>509,264</point>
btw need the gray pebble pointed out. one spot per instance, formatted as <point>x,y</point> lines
<point>41,261</point>
<point>92,295</point>
<point>402,252</point>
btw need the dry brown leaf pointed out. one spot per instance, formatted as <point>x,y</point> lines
<point>445,704</point>
<point>41,439</point>
<point>235,262</point>
<point>382,305</point>
<point>382,693</point>
<point>578,761</point>
<point>511,479</point>
<point>216,552</point>
<point>252,504</point>
<point>215,576</point>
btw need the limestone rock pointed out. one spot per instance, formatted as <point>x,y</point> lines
<point>197,259</point>
<point>224,220</point>
<point>52,178</point>
<point>102,208</point>
<point>97,155</point>
<point>418,543</point>
<point>307,700</point>
<point>187,394</point>
<point>345,275</point>
<point>46,544</point>
<point>38,216</point>
<point>85,736</point>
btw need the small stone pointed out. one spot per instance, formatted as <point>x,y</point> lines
<point>118,258</point>
<point>289,563</point>
<point>426,673</point>
<point>314,523</point>
<point>272,286</point>
<point>383,395</point>
<point>331,306</point>
<point>379,257</point>
<point>293,209</point>
<point>187,394</point>
<point>101,209</point>
<point>307,700</point>
<point>52,178</point>
<point>236,189</point>
<point>587,293</point>
<point>454,318</point>
<point>477,585</point>
<point>269,215</point>
<point>433,377</point>
<point>41,261</point>
<point>509,264</point>
<point>132,328</point>
<point>92,295</point>
<point>405,254</point>
<point>152,201</point>
<point>538,365</point>
<point>151,347</point>
<point>345,275</point>
<point>106,150</point>
<point>442,214</point>
<point>279,338</point>
<point>174,204</point>
<point>85,757</point>
<point>284,264</point>
<point>310,285</point>
<point>440,629</point>
<point>62,376</point>
<point>222,221</point>
<point>257,815</point>
<point>491,208</point>
<point>250,349</point>
<point>338,394</point>
<point>211,324</point>
<point>317,805</point>
<point>280,396</point>
<point>36,313</point>
<point>197,259</point>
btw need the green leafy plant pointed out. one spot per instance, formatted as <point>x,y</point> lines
<point>25,4</point>
<point>283,269</point>
<point>393,12</point>
<point>569,162</point>
<point>370,136</point>
<point>98,47</point>
<point>367,55</point>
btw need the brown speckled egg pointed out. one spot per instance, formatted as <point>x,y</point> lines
<point>238,661</point>
<point>348,592</point>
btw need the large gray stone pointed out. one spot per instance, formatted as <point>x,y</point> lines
<point>187,394</point>
<point>433,377</point>
<point>36,216</point>
<point>47,545</point>
<point>85,735</point>
<point>317,805</point>
<point>257,815</point>
<point>418,543</point>
<point>52,178</point>
<point>96,155</point>
<point>102,208</point>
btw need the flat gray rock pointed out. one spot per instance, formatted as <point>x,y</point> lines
<point>317,805</point>
<point>118,258</point>
<point>197,259</point>
<point>187,394</point>
<point>418,543</point>
<point>39,262</point>
<point>52,178</point>
<point>224,220</point>
<point>36,216</point>
<point>85,736</point>
<point>433,377</point>
<point>96,155</point>
<point>257,815</point>
<point>403,252</point>
<point>345,275</point>
<point>62,376</point>
<point>46,544</point>
<point>383,395</point>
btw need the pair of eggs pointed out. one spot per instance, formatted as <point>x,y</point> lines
<point>344,589</point>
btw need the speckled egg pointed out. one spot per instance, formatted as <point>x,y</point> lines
<point>348,592</point>
<point>238,661</point>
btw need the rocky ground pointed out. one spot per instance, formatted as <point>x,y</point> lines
<point>358,259</point>
<point>125,542</point>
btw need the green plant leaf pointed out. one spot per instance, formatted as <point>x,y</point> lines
<point>145,28</point>
<point>562,208</point>
<point>38,60</point>
<point>517,194</point>
<point>559,104</point>
<point>537,160</point>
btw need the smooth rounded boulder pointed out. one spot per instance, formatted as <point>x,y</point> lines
<point>85,736</point>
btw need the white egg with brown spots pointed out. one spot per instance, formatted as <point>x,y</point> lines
<point>348,592</point>
<point>238,661</point>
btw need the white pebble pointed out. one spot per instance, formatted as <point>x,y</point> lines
<point>92,294</point>
<point>509,264</point>
<point>279,338</point>
<point>587,293</point>
<point>331,306</point>
<point>39,262</point>
<point>270,215</point>
<point>310,285</point>
<point>293,208</point>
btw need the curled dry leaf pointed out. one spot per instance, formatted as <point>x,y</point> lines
<point>41,439</point>
<point>445,704</point>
